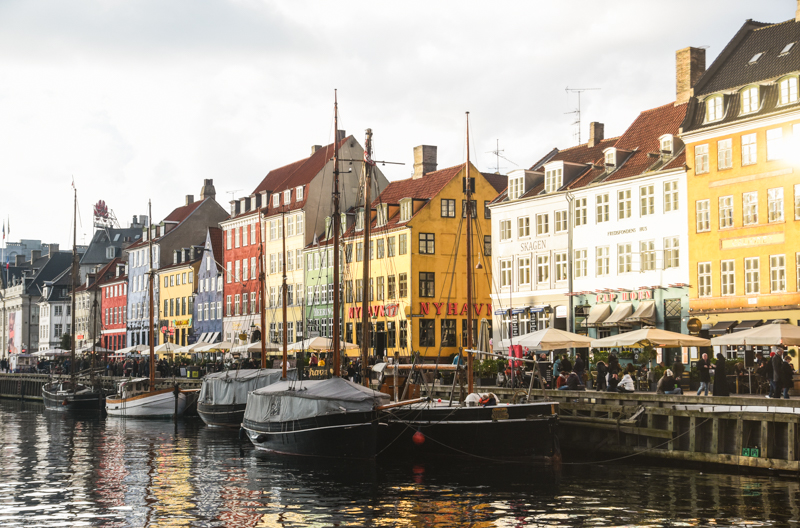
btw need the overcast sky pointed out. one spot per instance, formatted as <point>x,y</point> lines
<point>145,99</point>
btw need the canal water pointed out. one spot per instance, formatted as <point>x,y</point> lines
<point>58,470</point>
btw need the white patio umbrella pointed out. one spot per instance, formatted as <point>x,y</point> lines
<point>549,339</point>
<point>319,343</point>
<point>133,349</point>
<point>214,347</point>
<point>650,336</point>
<point>167,348</point>
<point>769,334</point>
<point>254,347</point>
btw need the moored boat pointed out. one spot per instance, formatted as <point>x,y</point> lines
<point>223,395</point>
<point>135,398</point>
<point>68,395</point>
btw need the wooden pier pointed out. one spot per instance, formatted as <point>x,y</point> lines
<point>29,386</point>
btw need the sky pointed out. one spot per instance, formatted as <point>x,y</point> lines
<point>143,100</point>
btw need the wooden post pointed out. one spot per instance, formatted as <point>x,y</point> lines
<point>765,451</point>
<point>671,427</point>
<point>692,434</point>
<point>791,438</point>
<point>714,436</point>
<point>650,420</point>
<point>738,437</point>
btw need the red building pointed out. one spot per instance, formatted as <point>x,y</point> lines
<point>113,305</point>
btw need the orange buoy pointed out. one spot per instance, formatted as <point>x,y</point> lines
<point>418,438</point>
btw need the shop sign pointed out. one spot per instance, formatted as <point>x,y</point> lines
<point>183,323</point>
<point>322,312</point>
<point>426,308</point>
<point>624,296</point>
<point>79,336</point>
<point>383,310</point>
<point>535,245</point>
<point>758,240</point>
<point>561,311</point>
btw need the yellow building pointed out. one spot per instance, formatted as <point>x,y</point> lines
<point>177,289</point>
<point>741,133</point>
<point>418,261</point>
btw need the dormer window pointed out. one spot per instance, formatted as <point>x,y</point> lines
<point>516,187</point>
<point>276,200</point>
<point>360,220</point>
<point>714,108</point>
<point>405,209</point>
<point>666,145</point>
<point>383,213</point>
<point>287,196</point>
<point>553,179</point>
<point>756,57</point>
<point>299,194</point>
<point>750,99</point>
<point>610,155</point>
<point>788,88</point>
<point>786,49</point>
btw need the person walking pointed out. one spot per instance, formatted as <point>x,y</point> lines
<point>720,377</point>
<point>613,373</point>
<point>787,377</point>
<point>777,373</point>
<point>704,369</point>
<point>602,372</point>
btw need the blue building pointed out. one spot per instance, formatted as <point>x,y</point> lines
<point>208,304</point>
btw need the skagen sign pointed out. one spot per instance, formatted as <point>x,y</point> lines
<point>533,245</point>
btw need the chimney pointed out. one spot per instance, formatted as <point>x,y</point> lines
<point>189,199</point>
<point>690,64</point>
<point>135,221</point>
<point>143,220</point>
<point>36,254</point>
<point>315,148</point>
<point>19,260</point>
<point>208,190</point>
<point>596,133</point>
<point>340,135</point>
<point>52,249</point>
<point>424,160</point>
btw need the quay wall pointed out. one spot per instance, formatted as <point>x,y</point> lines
<point>29,386</point>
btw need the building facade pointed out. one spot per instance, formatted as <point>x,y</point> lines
<point>178,287</point>
<point>113,287</point>
<point>55,311</point>
<point>208,306</point>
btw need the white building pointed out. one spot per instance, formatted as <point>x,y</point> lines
<point>55,311</point>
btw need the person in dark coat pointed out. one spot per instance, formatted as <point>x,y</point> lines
<point>787,377</point>
<point>704,369</point>
<point>613,373</point>
<point>566,364</point>
<point>777,371</point>
<point>602,372</point>
<point>720,377</point>
<point>579,367</point>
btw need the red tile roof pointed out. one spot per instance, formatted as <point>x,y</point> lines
<point>582,153</point>
<point>498,181</point>
<point>181,213</point>
<point>108,274</point>
<point>423,188</point>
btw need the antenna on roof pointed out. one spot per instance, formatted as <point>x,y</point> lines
<point>497,155</point>
<point>233,193</point>
<point>578,111</point>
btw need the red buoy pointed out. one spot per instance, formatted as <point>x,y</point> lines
<point>418,438</point>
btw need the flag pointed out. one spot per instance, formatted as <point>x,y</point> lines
<point>367,159</point>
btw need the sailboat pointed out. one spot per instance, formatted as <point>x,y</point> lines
<point>322,418</point>
<point>70,395</point>
<point>525,431</point>
<point>139,397</point>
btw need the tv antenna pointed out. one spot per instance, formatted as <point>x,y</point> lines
<point>578,111</point>
<point>233,194</point>
<point>497,153</point>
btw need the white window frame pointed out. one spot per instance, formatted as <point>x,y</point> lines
<point>775,204</point>
<point>704,279</point>
<point>727,274</point>
<point>505,273</point>
<point>647,200</point>
<point>671,202</point>
<point>788,90</point>
<point>624,258</point>
<point>752,275</point>
<point>750,208</point>
<point>672,252</point>
<point>542,224</point>
<point>543,268</point>
<point>701,159</point>
<point>750,100</point>
<point>749,149</point>
<point>560,266</point>
<point>561,225</point>
<point>581,211</point>
<point>524,226</point>
<point>553,180</point>
<point>601,208</point>
<point>524,271</point>
<point>647,255</point>
<point>714,109</point>
<point>724,154</point>
<point>623,204</point>
<point>581,263</point>
<point>775,149</point>
<point>726,212</point>
<point>602,261</point>
<point>703,216</point>
<point>505,230</point>
<point>777,273</point>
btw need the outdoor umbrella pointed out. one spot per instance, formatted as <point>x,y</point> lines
<point>550,339</point>
<point>254,347</point>
<point>52,352</point>
<point>166,348</point>
<point>319,343</point>
<point>214,347</point>
<point>650,336</point>
<point>769,334</point>
<point>132,349</point>
<point>189,348</point>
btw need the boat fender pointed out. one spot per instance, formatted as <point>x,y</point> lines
<point>418,438</point>
<point>242,434</point>
<point>65,402</point>
<point>261,438</point>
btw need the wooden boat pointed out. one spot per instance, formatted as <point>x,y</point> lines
<point>135,398</point>
<point>223,395</point>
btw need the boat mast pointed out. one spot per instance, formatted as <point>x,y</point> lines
<point>365,330</point>
<point>151,366</point>
<point>336,223</point>
<point>74,284</point>
<point>263,287</point>
<point>284,296</point>
<point>468,192</point>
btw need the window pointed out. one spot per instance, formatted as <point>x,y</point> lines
<point>624,258</point>
<point>787,48</point>
<point>750,99</point>
<point>427,245</point>
<point>750,208</point>
<point>647,255</point>
<point>505,273</point>
<point>253,267</point>
<point>228,305</point>
<point>524,226</point>
<point>714,108</point>
<point>405,209</point>
<point>777,273</point>
<point>276,200</point>
<point>253,299</point>
<point>751,275</point>
<point>580,211</point>
<point>382,213</point>
<point>290,226</point>
<point>448,208</point>
<point>774,144</point>
<point>561,221</point>
<point>505,230</point>
<point>611,157</point>
<point>237,272</point>
<point>449,332</point>
<point>666,144</point>
<point>359,251</point>
<point>775,204</point>
<point>427,284</point>
<point>166,279</point>
<point>379,285</point>
<point>403,244</point>
<point>228,239</point>
<point>756,57</point>
<point>474,205</point>
<point>788,89</point>
<point>623,204</point>
<point>553,180</point>
<point>561,266</point>
<point>725,212</point>
<point>581,264</point>
<point>487,245</point>
<point>647,201</point>
<point>287,196</point>
<point>236,304</point>
<point>749,149</point>
<point>670,196</point>
<point>542,268</point>
<point>229,273</point>
<point>427,332</point>
<point>602,208</point>
<point>381,248</point>
<point>703,211</point>
<point>403,289</point>
<point>487,213</point>
<point>701,159</point>
<point>300,222</point>
<point>515,187</point>
<point>360,220</point>
<point>728,277</point>
<point>797,201</point>
<point>602,261</point>
<point>671,252</point>
<point>704,279</point>
<point>391,289</point>
<point>724,154</point>
<point>524,271</point>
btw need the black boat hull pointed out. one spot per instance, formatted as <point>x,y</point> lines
<point>222,415</point>
<point>524,432</point>
<point>57,399</point>
<point>351,435</point>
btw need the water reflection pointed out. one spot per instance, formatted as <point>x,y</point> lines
<point>58,470</point>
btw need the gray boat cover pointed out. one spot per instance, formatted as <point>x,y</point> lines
<point>231,387</point>
<point>286,401</point>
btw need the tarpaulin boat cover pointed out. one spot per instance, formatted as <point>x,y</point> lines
<point>231,387</point>
<point>286,401</point>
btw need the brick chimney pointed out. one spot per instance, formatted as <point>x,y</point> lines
<point>596,133</point>
<point>208,190</point>
<point>189,199</point>
<point>52,249</point>
<point>340,135</point>
<point>36,254</point>
<point>424,160</point>
<point>19,260</point>
<point>315,148</point>
<point>690,64</point>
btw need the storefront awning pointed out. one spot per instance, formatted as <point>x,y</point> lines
<point>202,338</point>
<point>722,327</point>
<point>212,338</point>
<point>517,310</point>
<point>598,314</point>
<point>538,308</point>
<point>620,313</point>
<point>646,311</point>
<point>500,312</point>
<point>747,325</point>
